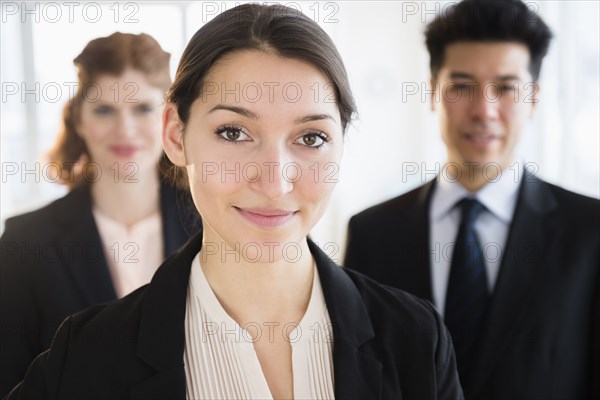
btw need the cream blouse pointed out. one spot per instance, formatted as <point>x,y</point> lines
<point>220,361</point>
<point>134,253</point>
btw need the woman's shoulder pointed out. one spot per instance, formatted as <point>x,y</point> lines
<point>125,311</point>
<point>92,354</point>
<point>63,207</point>
<point>105,332</point>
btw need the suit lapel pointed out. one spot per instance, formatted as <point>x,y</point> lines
<point>516,284</point>
<point>81,247</point>
<point>422,225</point>
<point>357,375</point>
<point>411,246</point>
<point>161,335</point>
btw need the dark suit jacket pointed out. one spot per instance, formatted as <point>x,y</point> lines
<point>542,338</point>
<point>53,265</point>
<point>387,343</point>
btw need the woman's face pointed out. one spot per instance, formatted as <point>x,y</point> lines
<point>120,124</point>
<point>262,148</point>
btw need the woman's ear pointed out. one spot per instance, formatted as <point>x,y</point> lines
<point>172,135</point>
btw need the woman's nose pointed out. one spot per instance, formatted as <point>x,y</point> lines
<point>126,125</point>
<point>275,173</point>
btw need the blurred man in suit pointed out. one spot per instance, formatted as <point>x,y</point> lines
<point>510,261</point>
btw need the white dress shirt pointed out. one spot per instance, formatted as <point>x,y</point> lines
<point>492,225</point>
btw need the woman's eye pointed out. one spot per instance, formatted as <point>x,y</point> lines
<point>312,139</point>
<point>102,110</point>
<point>232,134</point>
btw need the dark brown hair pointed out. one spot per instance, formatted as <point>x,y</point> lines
<point>110,55</point>
<point>487,21</point>
<point>277,29</point>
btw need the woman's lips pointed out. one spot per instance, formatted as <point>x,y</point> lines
<point>266,218</point>
<point>124,151</point>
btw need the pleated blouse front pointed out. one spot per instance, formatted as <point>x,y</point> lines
<point>219,356</point>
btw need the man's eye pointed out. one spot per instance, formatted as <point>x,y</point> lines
<point>507,88</point>
<point>461,86</point>
<point>232,134</point>
<point>144,109</point>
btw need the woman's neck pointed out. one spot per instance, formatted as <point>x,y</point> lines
<point>273,291</point>
<point>127,202</point>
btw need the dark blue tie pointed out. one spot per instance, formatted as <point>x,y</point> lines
<point>467,294</point>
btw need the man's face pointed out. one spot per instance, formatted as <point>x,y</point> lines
<point>484,95</point>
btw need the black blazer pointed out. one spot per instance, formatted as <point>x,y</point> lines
<point>542,338</point>
<point>53,265</point>
<point>387,343</point>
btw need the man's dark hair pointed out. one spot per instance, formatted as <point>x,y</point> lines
<point>488,21</point>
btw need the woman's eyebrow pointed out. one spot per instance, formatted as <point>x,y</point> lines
<point>238,110</point>
<point>249,114</point>
<point>313,117</point>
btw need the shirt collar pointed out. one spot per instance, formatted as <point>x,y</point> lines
<point>446,194</point>
<point>499,197</point>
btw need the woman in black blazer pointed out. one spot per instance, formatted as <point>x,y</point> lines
<point>256,115</point>
<point>55,260</point>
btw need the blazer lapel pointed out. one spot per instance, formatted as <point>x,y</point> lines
<point>411,246</point>
<point>161,335</point>
<point>357,375</point>
<point>516,284</point>
<point>81,247</point>
<point>423,263</point>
